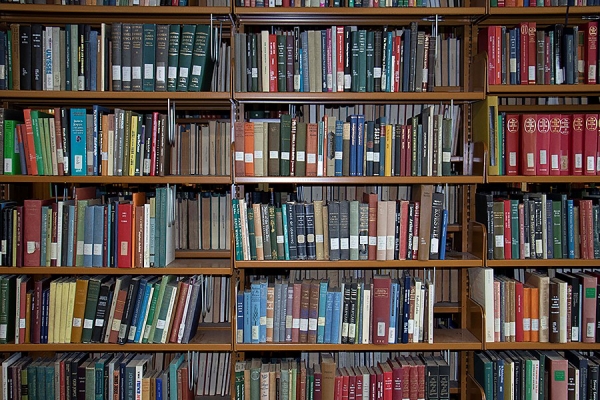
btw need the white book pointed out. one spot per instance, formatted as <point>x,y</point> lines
<point>168,319</point>
<point>48,82</point>
<point>418,312</point>
<point>481,282</point>
<point>56,61</point>
<point>5,364</point>
<point>366,312</point>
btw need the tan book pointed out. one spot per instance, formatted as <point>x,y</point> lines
<point>259,167</point>
<point>206,220</point>
<point>423,194</point>
<point>328,368</point>
<point>382,229</point>
<point>258,232</point>
<point>541,282</point>
<point>325,220</point>
<point>270,311</point>
<point>319,232</point>
<point>72,290</point>
<point>391,230</point>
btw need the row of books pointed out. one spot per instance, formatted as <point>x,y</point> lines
<point>540,225</point>
<point>203,221</point>
<point>110,142</point>
<point>356,147</point>
<point>418,377</point>
<point>153,3</point>
<point>131,231</point>
<point>342,230</point>
<point>553,55</point>
<point>533,374</point>
<point>541,3</point>
<point>116,375</point>
<point>345,58</point>
<point>104,309</point>
<point>555,307</point>
<point>349,3</point>
<point>379,311</point>
<point>143,57</point>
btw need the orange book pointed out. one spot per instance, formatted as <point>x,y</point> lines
<point>535,314</point>
<point>312,137</point>
<point>249,148</point>
<point>526,313</point>
<point>81,288</point>
<point>29,142</point>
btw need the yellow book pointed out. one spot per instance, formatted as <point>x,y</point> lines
<point>52,311</point>
<point>485,130</point>
<point>81,288</point>
<point>389,134</point>
<point>72,288</point>
<point>133,143</point>
<point>62,291</point>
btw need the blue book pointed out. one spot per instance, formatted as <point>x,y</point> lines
<point>93,55</point>
<point>360,144</point>
<point>97,112</point>
<point>353,119</point>
<point>247,316</point>
<point>175,364</point>
<point>50,387</point>
<point>328,317</point>
<point>45,315</point>
<point>145,300</point>
<point>389,79</point>
<point>518,41</point>
<point>99,372</point>
<point>138,309</point>
<point>285,231</point>
<point>406,60</point>
<point>255,312</point>
<point>570,228</point>
<point>98,236</point>
<point>43,233</point>
<point>159,387</point>
<point>240,317</point>
<point>443,235</point>
<point>338,146</point>
<point>262,332</point>
<point>499,361</point>
<point>88,236</point>
<point>324,64</point>
<point>322,311</point>
<point>406,308</point>
<point>41,381</point>
<point>393,312</point>
<point>335,322</point>
<point>78,142</point>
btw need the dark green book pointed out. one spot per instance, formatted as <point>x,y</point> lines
<point>301,149</point>
<point>370,61</point>
<point>251,232</point>
<point>91,304</point>
<point>126,57</point>
<point>557,228</point>
<point>274,143</point>
<point>202,63</point>
<point>354,63</point>
<point>272,232</point>
<point>137,35</point>
<point>116,46</point>
<point>173,56</point>
<point>254,62</point>
<point>279,233</point>
<point>362,60</point>
<point>188,33</point>
<point>148,57</point>
<point>7,308</point>
<point>446,146</point>
<point>514,229</point>
<point>281,63</point>
<point>285,133</point>
<point>266,231</point>
<point>161,57</point>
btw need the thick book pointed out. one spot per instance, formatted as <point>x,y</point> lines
<point>202,66</point>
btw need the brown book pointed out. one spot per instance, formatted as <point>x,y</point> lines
<point>381,309</point>
<point>541,282</point>
<point>557,368</point>
<point>179,307</point>
<point>249,148</point>
<point>274,144</point>
<point>81,289</point>
<point>313,310</point>
<point>114,323</point>
<point>588,307</point>
<point>423,194</point>
<point>312,135</point>
<point>328,368</point>
<point>304,310</point>
<point>554,313</point>
<point>205,200</point>
<point>270,311</point>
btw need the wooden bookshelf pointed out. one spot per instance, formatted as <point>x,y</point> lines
<point>543,90</point>
<point>567,108</point>
<point>537,263</point>
<point>466,262</point>
<point>120,180</point>
<point>348,97</point>
<point>542,346</point>
<point>544,179</point>
<point>363,180</point>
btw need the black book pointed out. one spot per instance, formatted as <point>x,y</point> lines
<point>134,285</point>
<point>562,197</point>
<point>137,35</point>
<point>352,313</point>
<point>88,58</point>
<point>291,226</point>
<point>549,230</point>
<point>437,210</point>
<point>581,363</point>
<point>116,29</point>
<point>273,232</point>
<point>347,58</point>
<point>7,233</point>
<point>25,50</point>
<point>410,226</point>
<point>344,230</point>
<point>346,312</point>
<point>309,222</point>
<point>537,242</point>
<point>593,374</point>
<point>334,230</point>
<point>406,60</point>
<point>432,373</point>
<point>369,144</point>
<point>104,300</point>
<point>37,58</point>
<point>484,214</point>
<point>443,379</point>
<point>76,363</point>
<point>126,54</point>
<point>148,126</point>
<point>376,149</point>
<point>301,231</point>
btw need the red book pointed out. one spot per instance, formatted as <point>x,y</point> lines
<point>26,285</point>
<point>416,222</point>
<point>519,311</point>
<point>36,312</point>
<point>577,144</point>
<point>565,143</point>
<point>420,377</point>
<point>125,229</point>
<point>379,382</point>
<point>403,229</point>
<point>486,41</point>
<point>54,239</point>
<point>119,309</point>
<point>312,139</point>
<point>296,312</point>
<point>498,57</point>
<point>337,392</point>
<point>272,63</point>
<point>414,380</point>
<point>558,370</point>
<point>28,140</point>
<point>543,144</point>
<point>32,210</point>
<point>528,144</point>
<point>398,55</point>
<point>371,200</point>
<point>555,140</point>
<point>507,231</point>
<point>239,152</point>
<point>587,227</point>
<point>511,133</point>
<point>318,391</point>
<point>387,380</point>
<point>381,309</point>
<point>590,144</point>
<point>532,52</point>
<point>351,384</point>
<point>397,373</point>
<point>345,384</point>
<point>405,366</point>
<point>181,299</point>
<point>339,58</point>
<point>372,383</point>
<point>359,383</point>
<point>248,144</point>
<point>591,51</point>
<point>524,56</point>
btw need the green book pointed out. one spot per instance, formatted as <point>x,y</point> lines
<point>285,133</point>
<point>173,56</point>
<point>91,304</point>
<point>37,139</point>
<point>159,301</point>
<point>237,224</point>
<point>255,379</point>
<point>41,380</point>
<point>202,62</point>
<point>557,230</point>
<point>355,63</point>
<point>273,232</point>
<point>12,164</point>
<point>90,381</point>
<point>173,366</point>
<point>362,60</point>
<point>166,307</point>
<point>281,63</point>
<point>148,57</point>
<point>483,374</point>
<point>151,312</point>
<point>251,233</point>
<point>240,366</point>
<point>25,382</point>
<point>32,380</point>
<point>354,230</point>
<point>301,149</point>
<point>254,62</point>
<point>46,146</point>
<point>99,367</point>
<point>188,33</point>
<point>7,308</point>
<point>126,142</point>
<point>370,61</point>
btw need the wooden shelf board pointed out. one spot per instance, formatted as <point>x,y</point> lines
<point>177,267</point>
<point>463,261</point>
<point>573,108</point>
<point>554,263</point>
<point>202,254</point>
<point>95,180</point>
<point>94,96</point>
<point>115,10</point>
<point>536,11</point>
<point>546,90</point>
<point>351,97</point>
<point>544,179</point>
<point>362,180</point>
<point>204,340</point>
<point>446,307</point>
<point>542,346</point>
<point>444,339</point>
<point>247,13</point>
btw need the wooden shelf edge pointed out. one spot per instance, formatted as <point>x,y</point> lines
<point>249,12</point>
<point>553,263</point>
<point>547,90</point>
<point>138,10</point>
<point>201,97</point>
<point>522,11</point>
<point>352,97</point>
<point>544,179</point>
<point>361,180</point>
<point>541,346</point>
<point>130,347</point>
<point>94,180</point>
<point>359,264</point>
<point>202,254</point>
<point>114,271</point>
